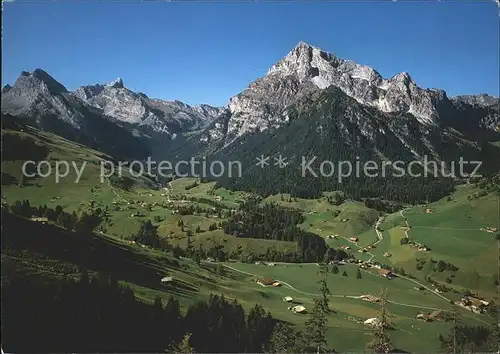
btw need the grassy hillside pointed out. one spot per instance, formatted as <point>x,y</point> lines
<point>65,192</point>
<point>49,249</point>
<point>451,231</point>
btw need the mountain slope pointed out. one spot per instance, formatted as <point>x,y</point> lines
<point>331,126</point>
<point>149,116</point>
<point>41,101</point>
<point>108,117</point>
<point>312,103</point>
<point>307,69</point>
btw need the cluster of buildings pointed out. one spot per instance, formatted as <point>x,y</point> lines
<point>419,246</point>
<point>295,309</point>
<point>367,248</point>
<point>473,304</point>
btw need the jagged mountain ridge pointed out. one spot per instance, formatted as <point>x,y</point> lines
<point>329,125</point>
<point>267,104</point>
<point>39,100</point>
<point>306,69</point>
<point>148,115</point>
<point>108,117</point>
<point>313,99</point>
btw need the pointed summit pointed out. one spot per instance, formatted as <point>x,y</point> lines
<point>52,84</point>
<point>117,83</point>
<point>302,45</point>
<point>27,79</point>
<point>302,48</point>
<point>403,77</point>
<point>6,88</point>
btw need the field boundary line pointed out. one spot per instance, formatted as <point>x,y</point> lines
<point>356,297</point>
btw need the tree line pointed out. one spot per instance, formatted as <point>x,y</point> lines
<point>271,222</point>
<point>98,314</point>
<point>82,223</point>
<point>383,205</point>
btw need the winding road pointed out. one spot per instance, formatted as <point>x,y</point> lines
<point>114,191</point>
<point>380,236</point>
<point>413,280</point>
<point>404,217</point>
<point>357,297</point>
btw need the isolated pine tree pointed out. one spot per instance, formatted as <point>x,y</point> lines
<point>317,324</point>
<point>381,342</point>
<point>493,339</point>
<point>286,339</point>
<point>22,180</point>
<point>358,274</point>
<point>325,295</point>
<point>454,341</point>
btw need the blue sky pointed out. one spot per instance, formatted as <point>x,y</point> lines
<point>208,52</point>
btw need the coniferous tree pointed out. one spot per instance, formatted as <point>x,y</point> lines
<point>381,342</point>
<point>286,339</point>
<point>83,225</point>
<point>493,339</point>
<point>259,329</point>
<point>22,180</point>
<point>147,235</point>
<point>183,346</point>
<point>64,219</point>
<point>325,295</point>
<point>358,274</point>
<point>454,342</point>
<point>316,325</point>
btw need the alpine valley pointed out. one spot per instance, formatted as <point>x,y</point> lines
<point>309,104</point>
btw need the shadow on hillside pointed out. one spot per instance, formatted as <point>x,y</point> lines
<point>94,253</point>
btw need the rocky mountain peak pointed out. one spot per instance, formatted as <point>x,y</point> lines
<point>146,115</point>
<point>306,67</point>
<point>117,83</point>
<point>41,79</point>
<point>302,45</point>
<point>304,61</point>
<point>403,78</point>
<point>6,88</point>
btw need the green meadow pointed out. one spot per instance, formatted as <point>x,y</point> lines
<point>452,232</point>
